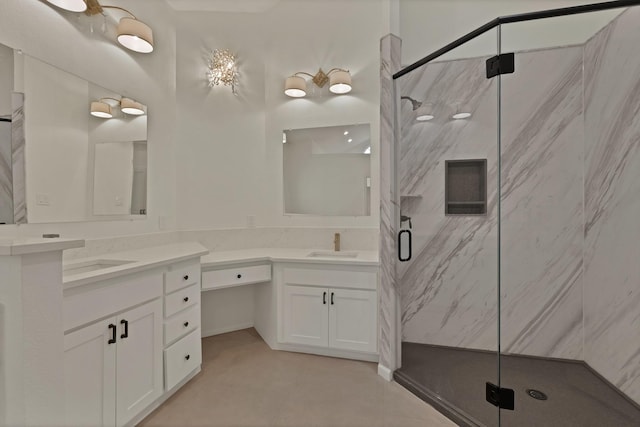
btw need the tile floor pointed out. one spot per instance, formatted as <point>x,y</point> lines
<point>245,383</point>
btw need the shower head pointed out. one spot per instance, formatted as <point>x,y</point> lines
<point>415,104</point>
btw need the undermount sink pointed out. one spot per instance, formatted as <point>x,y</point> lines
<point>332,254</point>
<point>88,266</point>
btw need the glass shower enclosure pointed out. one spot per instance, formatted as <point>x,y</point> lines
<point>518,179</point>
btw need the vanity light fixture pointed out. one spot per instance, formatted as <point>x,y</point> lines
<point>339,81</point>
<point>70,5</point>
<point>131,32</point>
<point>221,69</point>
<point>103,109</point>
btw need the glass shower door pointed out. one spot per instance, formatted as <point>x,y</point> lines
<point>570,242</point>
<point>446,164</point>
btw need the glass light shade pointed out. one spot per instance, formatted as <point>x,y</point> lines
<point>70,5</point>
<point>340,82</point>
<point>295,87</point>
<point>461,115</point>
<point>101,109</point>
<point>129,106</point>
<point>135,35</point>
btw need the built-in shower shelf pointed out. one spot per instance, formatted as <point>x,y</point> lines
<point>466,203</point>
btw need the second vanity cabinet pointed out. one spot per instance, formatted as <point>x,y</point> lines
<point>113,367</point>
<point>328,306</point>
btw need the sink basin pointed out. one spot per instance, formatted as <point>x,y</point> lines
<point>88,266</point>
<point>332,254</point>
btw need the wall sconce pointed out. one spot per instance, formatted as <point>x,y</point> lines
<point>102,109</point>
<point>221,69</point>
<point>423,111</point>
<point>339,82</point>
<point>132,33</point>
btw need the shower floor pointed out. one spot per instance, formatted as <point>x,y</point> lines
<point>453,381</point>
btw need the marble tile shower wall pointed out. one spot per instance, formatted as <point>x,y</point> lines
<point>570,202</point>
<point>612,203</point>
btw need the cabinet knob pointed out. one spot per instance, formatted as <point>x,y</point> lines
<point>186,324</point>
<point>186,277</point>
<point>185,299</point>
<point>187,357</point>
<point>239,276</point>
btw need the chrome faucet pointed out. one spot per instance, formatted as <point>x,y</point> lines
<point>336,242</point>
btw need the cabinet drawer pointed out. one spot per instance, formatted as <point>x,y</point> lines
<point>229,277</point>
<point>181,277</point>
<point>355,279</point>
<point>181,299</point>
<point>180,324</point>
<point>182,358</point>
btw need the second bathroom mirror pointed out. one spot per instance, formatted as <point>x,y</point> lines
<point>327,170</point>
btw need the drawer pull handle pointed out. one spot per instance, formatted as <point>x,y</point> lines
<point>324,298</point>
<point>186,324</point>
<point>187,357</point>
<point>186,277</point>
<point>112,340</point>
<point>126,329</point>
<point>185,299</point>
<point>239,276</point>
<point>331,298</point>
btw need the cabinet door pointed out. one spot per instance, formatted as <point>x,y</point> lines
<point>90,375</point>
<point>353,320</point>
<point>306,315</point>
<point>139,360</point>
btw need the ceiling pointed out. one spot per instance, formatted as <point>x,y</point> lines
<point>246,6</point>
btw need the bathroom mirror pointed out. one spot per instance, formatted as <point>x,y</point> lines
<point>327,170</point>
<point>78,167</point>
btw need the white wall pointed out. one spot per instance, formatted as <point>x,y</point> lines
<point>230,147</point>
<point>69,42</point>
<point>428,25</point>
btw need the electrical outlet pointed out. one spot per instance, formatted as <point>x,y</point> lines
<point>42,199</point>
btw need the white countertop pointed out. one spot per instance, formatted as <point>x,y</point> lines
<point>31,245</point>
<point>222,258</point>
<point>137,260</point>
<point>142,259</point>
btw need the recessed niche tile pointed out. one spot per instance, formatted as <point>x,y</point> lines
<point>465,187</point>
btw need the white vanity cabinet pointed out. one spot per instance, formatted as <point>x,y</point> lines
<point>113,367</point>
<point>130,341</point>
<point>330,306</point>
<point>182,343</point>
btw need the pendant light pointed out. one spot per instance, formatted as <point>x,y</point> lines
<point>129,106</point>
<point>340,81</point>
<point>295,87</point>
<point>101,109</point>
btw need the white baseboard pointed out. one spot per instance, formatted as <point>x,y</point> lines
<point>218,331</point>
<point>385,372</point>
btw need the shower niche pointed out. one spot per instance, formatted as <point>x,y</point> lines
<point>465,187</point>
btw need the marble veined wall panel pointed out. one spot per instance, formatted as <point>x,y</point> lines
<point>449,290</point>
<point>542,198</point>
<point>612,203</point>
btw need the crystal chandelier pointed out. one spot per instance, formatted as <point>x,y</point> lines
<point>221,69</point>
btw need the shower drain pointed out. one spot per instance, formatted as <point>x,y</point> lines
<point>536,394</point>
